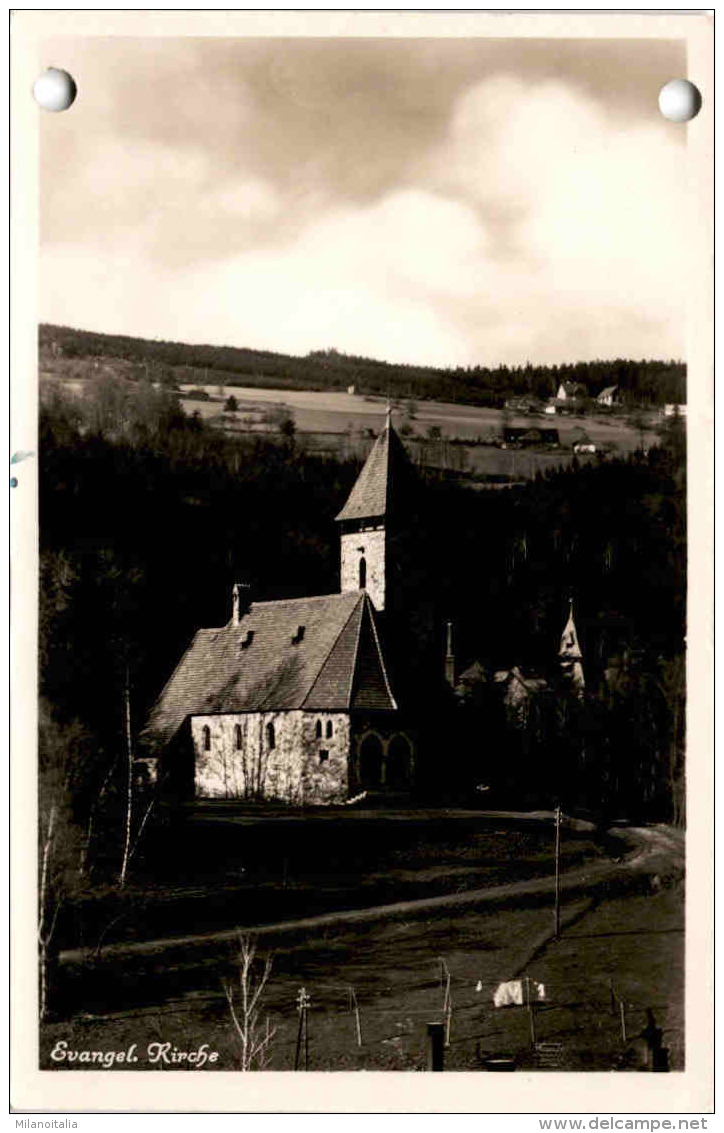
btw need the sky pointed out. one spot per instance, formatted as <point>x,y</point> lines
<point>453,202</point>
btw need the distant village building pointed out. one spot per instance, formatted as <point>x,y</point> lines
<point>609,396</point>
<point>571,391</point>
<point>520,694</point>
<point>517,437</point>
<point>675,411</point>
<point>291,699</point>
<point>350,389</point>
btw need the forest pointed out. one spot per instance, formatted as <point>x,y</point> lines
<point>642,383</point>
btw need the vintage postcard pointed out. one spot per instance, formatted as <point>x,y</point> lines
<point>361,500</point>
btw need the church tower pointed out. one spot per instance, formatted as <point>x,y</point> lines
<point>374,518</point>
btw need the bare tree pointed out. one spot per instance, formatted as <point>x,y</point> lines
<point>244,998</point>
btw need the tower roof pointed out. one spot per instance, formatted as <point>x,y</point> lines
<point>385,478</point>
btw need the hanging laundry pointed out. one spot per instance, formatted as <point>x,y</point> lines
<point>539,990</point>
<point>479,985</point>
<point>509,994</point>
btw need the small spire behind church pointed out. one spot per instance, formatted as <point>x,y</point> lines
<point>570,656</point>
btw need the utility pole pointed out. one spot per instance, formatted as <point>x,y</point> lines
<point>129,784</point>
<point>303,1003</point>
<point>558,872</point>
<point>530,1011</point>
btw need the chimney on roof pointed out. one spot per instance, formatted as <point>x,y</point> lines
<point>240,601</point>
<point>449,657</point>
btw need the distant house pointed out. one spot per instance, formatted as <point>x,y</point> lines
<point>350,389</point>
<point>521,437</point>
<point>524,404</point>
<point>519,693</point>
<point>571,391</point>
<point>609,396</point>
<point>674,411</point>
<point>550,410</point>
<point>584,446</point>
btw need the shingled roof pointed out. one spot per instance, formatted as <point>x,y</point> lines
<point>263,664</point>
<point>384,480</point>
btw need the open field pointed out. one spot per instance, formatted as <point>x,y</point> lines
<point>328,411</point>
<point>344,424</point>
<point>627,930</point>
<point>339,423</point>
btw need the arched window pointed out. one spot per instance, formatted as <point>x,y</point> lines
<point>362,573</point>
<point>237,737</point>
<point>329,729</point>
<point>270,736</point>
<point>318,729</point>
<point>206,735</point>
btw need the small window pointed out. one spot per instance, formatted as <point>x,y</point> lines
<point>237,737</point>
<point>270,736</point>
<point>362,573</point>
<point>329,729</point>
<point>323,756</point>
<point>298,636</point>
<point>247,639</point>
<point>206,735</point>
<point>318,729</point>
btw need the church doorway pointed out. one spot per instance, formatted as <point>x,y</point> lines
<point>399,762</point>
<point>370,763</point>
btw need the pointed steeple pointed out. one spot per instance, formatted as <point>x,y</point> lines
<point>570,656</point>
<point>384,479</point>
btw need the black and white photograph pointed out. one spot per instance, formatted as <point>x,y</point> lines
<point>365,471</point>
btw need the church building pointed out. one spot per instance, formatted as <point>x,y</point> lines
<point>292,700</point>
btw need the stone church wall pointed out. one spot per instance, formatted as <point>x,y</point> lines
<point>373,542</point>
<point>326,765</point>
<point>292,771</point>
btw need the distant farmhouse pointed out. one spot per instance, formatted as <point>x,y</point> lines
<point>609,396</point>
<point>521,437</point>
<point>571,391</point>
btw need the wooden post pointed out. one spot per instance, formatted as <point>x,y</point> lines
<point>303,1002</point>
<point>129,784</point>
<point>447,1008</point>
<point>623,1020</point>
<point>355,1007</point>
<point>613,997</point>
<point>558,873</point>
<point>531,1015</point>
<point>436,1046</point>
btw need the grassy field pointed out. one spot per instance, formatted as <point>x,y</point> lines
<point>223,866</point>
<point>397,962</point>
<point>398,970</point>
<point>329,411</point>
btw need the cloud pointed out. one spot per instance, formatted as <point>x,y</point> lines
<point>443,202</point>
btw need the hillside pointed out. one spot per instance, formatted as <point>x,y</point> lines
<point>647,382</point>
